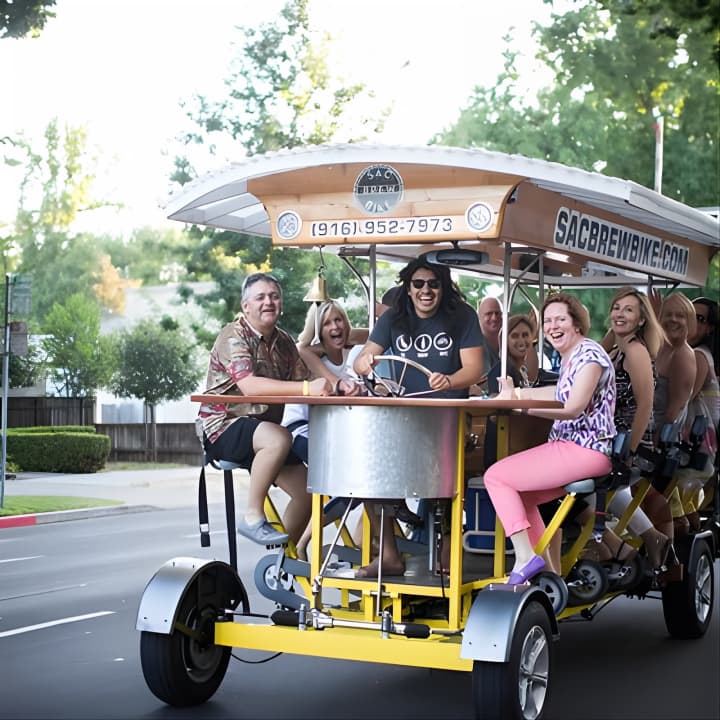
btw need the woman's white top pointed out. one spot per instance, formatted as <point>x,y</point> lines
<point>295,413</point>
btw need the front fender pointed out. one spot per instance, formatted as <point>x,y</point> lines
<point>217,585</point>
<point>493,616</point>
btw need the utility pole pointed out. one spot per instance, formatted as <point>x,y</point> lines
<point>5,383</point>
<point>659,135</point>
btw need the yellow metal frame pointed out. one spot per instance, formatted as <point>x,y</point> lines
<point>358,598</point>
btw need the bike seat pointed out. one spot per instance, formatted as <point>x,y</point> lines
<point>581,487</point>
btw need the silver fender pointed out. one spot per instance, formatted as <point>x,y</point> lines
<point>493,617</point>
<point>218,585</point>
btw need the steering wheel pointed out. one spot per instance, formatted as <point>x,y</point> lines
<point>385,387</point>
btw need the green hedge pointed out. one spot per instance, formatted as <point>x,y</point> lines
<point>70,452</point>
<point>55,429</point>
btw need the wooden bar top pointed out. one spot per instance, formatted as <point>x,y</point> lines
<point>469,404</point>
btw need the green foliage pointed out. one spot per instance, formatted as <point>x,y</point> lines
<point>69,452</point>
<point>54,429</point>
<point>672,18</point>
<point>54,190</point>
<point>19,18</point>
<point>33,504</point>
<point>26,370</point>
<point>80,359</point>
<point>598,112</point>
<point>280,94</point>
<point>611,70</point>
<point>151,255</point>
<point>155,363</point>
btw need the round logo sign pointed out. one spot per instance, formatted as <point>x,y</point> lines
<point>288,225</point>
<point>378,189</point>
<point>479,217</point>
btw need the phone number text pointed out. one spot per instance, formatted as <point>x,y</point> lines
<point>381,227</point>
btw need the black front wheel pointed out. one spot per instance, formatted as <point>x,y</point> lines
<point>517,689</point>
<point>185,667</point>
<point>687,605</point>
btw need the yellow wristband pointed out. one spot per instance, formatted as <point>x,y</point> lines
<point>306,387</point>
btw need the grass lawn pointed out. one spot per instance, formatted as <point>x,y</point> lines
<point>32,504</point>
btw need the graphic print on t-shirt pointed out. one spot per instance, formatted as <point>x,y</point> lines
<point>424,343</point>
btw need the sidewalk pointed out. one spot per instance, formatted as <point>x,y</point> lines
<point>137,490</point>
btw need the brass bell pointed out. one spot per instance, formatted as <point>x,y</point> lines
<point>317,292</point>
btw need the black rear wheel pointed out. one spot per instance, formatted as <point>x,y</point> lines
<point>687,605</point>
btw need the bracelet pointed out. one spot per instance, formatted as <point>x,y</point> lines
<point>306,387</point>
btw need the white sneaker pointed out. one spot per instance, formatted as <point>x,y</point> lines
<point>262,533</point>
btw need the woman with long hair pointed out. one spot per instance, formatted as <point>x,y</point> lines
<point>696,483</point>
<point>635,337</point>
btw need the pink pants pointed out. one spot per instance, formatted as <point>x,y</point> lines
<point>519,483</point>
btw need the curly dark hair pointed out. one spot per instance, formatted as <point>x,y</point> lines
<point>450,297</point>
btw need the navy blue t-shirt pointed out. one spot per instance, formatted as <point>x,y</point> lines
<point>435,342</point>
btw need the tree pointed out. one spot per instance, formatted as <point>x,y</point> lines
<point>280,94</point>
<point>110,288</point>
<point>156,363</point>
<point>25,370</point>
<point>598,112</point>
<point>19,18</point>
<point>672,17</point>
<point>150,255</point>
<point>79,358</point>
<point>55,189</point>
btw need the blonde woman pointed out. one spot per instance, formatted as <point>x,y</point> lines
<point>635,338</point>
<point>326,347</point>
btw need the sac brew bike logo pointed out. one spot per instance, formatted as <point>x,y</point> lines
<point>378,189</point>
<point>606,240</point>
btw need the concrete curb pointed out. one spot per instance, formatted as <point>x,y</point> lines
<point>65,515</point>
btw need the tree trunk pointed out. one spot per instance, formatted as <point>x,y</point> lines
<point>146,409</point>
<point>153,425</point>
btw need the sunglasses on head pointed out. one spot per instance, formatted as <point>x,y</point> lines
<point>419,283</point>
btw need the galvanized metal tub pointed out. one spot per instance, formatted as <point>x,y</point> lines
<point>384,452</point>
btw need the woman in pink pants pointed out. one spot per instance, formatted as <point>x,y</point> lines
<point>580,440</point>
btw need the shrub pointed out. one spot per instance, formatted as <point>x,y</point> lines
<point>55,429</point>
<point>71,452</point>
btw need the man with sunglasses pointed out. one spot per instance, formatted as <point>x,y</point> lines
<point>429,323</point>
<point>254,356</point>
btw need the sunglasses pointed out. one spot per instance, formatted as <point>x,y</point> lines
<point>700,318</point>
<point>419,283</point>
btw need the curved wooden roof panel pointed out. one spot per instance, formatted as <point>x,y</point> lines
<point>404,200</point>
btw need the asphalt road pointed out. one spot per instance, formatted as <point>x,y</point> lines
<point>69,595</point>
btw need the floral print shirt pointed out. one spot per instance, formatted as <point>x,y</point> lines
<point>239,351</point>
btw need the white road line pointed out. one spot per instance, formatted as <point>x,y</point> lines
<point>44,591</point>
<point>62,621</point>
<point>29,557</point>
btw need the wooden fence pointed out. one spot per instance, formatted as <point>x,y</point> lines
<point>176,442</point>
<point>33,411</point>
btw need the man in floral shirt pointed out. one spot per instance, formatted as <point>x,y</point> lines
<point>252,356</point>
